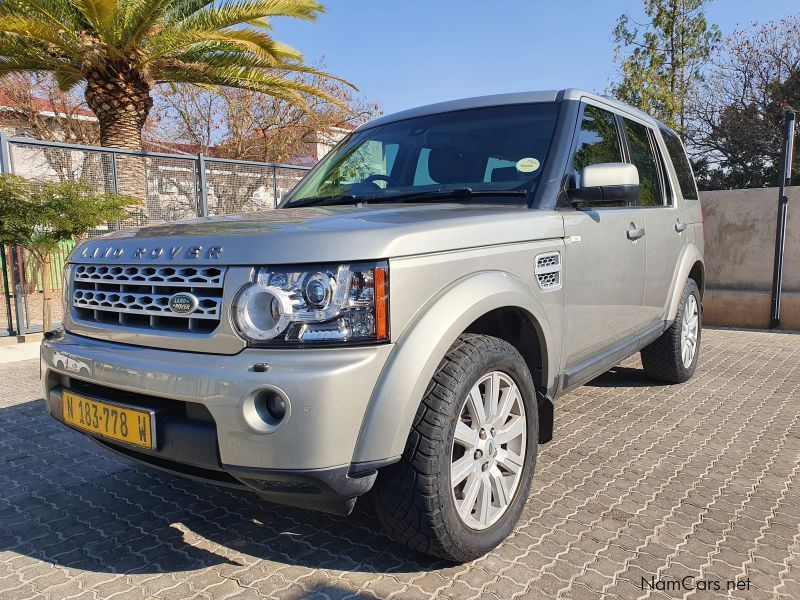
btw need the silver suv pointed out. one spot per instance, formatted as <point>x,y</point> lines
<point>404,323</point>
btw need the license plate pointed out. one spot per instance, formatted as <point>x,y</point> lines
<point>109,420</point>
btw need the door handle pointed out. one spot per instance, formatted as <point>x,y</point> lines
<point>680,227</point>
<point>635,234</point>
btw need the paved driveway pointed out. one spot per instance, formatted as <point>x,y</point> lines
<point>697,481</point>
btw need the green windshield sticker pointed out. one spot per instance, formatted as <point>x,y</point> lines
<point>527,165</point>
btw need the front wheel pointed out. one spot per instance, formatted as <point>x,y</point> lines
<point>467,468</point>
<point>673,356</point>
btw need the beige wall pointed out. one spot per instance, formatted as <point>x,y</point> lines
<point>740,247</point>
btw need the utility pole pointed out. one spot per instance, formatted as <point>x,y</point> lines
<point>783,208</point>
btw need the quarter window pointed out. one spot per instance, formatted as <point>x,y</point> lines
<point>641,155</point>
<point>681,163</point>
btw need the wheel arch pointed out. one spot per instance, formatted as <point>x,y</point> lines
<point>690,266</point>
<point>520,328</point>
<point>425,341</point>
<point>698,274</point>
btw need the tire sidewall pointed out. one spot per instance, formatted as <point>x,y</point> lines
<point>511,363</point>
<point>690,289</point>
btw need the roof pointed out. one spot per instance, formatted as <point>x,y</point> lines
<point>46,107</point>
<point>504,99</point>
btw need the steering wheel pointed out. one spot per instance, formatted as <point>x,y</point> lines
<point>378,177</point>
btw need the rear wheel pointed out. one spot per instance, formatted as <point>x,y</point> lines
<point>673,356</point>
<point>467,468</point>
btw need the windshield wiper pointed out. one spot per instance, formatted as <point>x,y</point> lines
<point>325,201</point>
<point>454,193</point>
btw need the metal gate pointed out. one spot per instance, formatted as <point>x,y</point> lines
<point>172,187</point>
<point>22,286</point>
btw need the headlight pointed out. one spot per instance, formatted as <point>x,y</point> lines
<point>315,304</point>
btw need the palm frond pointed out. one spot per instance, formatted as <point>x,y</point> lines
<point>258,43</point>
<point>214,80</point>
<point>246,11</point>
<point>27,63</point>
<point>139,17</point>
<point>180,9</point>
<point>39,30</point>
<point>68,78</point>
<point>224,56</point>
<point>262,23</point>
<point>60,13</point>
<point>245,78</point>
<point>16,46</point>
<point>101,15</point>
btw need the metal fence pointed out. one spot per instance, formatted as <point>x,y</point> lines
<point>171,187</point>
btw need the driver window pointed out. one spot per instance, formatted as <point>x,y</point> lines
<point>598,139</point>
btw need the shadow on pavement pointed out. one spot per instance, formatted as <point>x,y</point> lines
<point>624,377</point>
<point>65,500</point>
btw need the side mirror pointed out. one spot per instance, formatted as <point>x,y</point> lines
<point>607,183</point>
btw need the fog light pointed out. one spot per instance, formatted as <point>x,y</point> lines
<point>266,409</point>
<point>276,406</point>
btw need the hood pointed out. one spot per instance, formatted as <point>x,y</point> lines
<point>322,234</point>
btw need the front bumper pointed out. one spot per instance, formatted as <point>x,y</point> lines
<point>204,430</point>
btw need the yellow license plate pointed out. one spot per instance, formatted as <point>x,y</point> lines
<point>129,425</point>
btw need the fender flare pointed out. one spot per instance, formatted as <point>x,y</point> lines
<point>690,255</point>
<point>425,341</point>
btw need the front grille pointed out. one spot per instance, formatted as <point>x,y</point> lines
<point>138,296</point>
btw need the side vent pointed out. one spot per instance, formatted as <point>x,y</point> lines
<point>548,271</point>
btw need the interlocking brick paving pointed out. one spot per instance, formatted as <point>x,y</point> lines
<point>696,481</point>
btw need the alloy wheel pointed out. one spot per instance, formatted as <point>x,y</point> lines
<point>488,450</point>
<point>690,328</point>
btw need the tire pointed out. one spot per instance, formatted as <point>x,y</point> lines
<point>665,358</point>
<point>414,498</point>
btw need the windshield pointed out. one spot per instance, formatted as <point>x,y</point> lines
<point>494,153</point>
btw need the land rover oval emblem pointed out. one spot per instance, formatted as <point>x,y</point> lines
<point>183,303</point>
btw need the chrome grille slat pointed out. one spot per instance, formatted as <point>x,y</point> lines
<point>138,296</point>
<point>155,276</point>
<point>144,304</point>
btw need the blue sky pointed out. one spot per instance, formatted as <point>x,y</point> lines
<point>407,53</point>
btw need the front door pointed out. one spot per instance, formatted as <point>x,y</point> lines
<point>604,270</point>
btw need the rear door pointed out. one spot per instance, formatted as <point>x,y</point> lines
<point>604,267</point>
<point>665,231</point>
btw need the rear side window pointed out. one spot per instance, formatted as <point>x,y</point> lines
<point>598,139</point>
<point>642,157</point>
<point>681,163</point>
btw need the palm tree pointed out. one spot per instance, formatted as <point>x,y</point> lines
<point>121,49</point>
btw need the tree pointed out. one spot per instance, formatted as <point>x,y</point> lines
<point>737,118</point>
<point>39,218</point>
<point>661,61</point>
<point>42,111</point>
<point>47,113</point>
<point>241,124</point>
<point>121,49</point>
<point>245,125</point>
